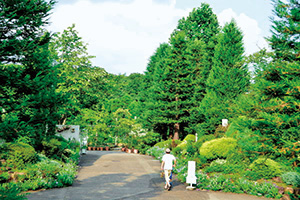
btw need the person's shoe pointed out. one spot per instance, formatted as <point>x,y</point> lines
<point>169,188</point>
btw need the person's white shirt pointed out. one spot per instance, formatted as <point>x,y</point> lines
<point>168,160</point>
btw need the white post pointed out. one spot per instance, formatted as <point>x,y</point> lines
<point>224,122</point>
<point>196,138</point>
<point>191,177</point>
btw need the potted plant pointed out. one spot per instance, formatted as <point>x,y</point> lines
<point>123,148</point>
<point>89,146</point>
<point>93,145</point>
<point>129,148</point>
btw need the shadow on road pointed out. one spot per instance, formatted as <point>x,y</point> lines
<point>108,186</point>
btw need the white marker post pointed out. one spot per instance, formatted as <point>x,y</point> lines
<point>224,122</point>
<point>191,177</point>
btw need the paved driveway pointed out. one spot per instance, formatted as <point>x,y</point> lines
<point>118,175</point>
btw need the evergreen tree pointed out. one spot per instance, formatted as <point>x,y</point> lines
<point>277,86</point>
<point>178,72</point>
<point>29,104</point>
<point>228,78</point>
<point>21,33</point>
<point>149,93</point>
<point>200,26</point>
<point>286,32</point>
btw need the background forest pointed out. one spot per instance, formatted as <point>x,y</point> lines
<point>193,81</point>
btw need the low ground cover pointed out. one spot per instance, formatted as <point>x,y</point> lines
<point>24,169</point>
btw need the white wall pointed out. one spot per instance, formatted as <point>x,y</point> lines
<point>69,134</point>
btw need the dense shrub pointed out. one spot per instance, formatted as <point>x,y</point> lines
<point>164,144</point>
<point>4,176</point>
<point>147,141</point>
<point>291,178</point>
<point>224,166</point>
<point>181,169</point>
<point>156,152</point>
<point>49,174</point>
<point>248,140</point>
<point>53,148</point>
<point>218,148</point>
<point>66,176</point>
<point>11,191</point>
<point>236,185</point>
<point>61,149</point>
<point>203,139</point>
<point>189,138</point>
<point>263,168</point>
<point>19,154</point>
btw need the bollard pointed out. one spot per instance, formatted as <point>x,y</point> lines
<point>224,122</point>
<point>191,177</point>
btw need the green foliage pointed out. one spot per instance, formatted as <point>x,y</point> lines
<point>164,144</point>
<point>274,98</point>
<point>11,191</point>
<point>70,52</point>
<point>156,152</point>
<point>181,169</point>
<point>66,177</point>
<point>284,40</point>
<point>29,103</point>
<point>4,176</point>
<point>227,79</point>
<point>218,148</point>
<point>224,166</point>
<point>236,185</point>
<point>147,141</point>
<point>191,149</point>
<point>189,138</point>
<point>23,27</point>
<point>60,149</point>
<point>54,148</point>
<point>263,168</point>
<point>49,174</point>
<point>20,154</point>
<point>177,72</point>
<point>291,178</point>
<point>203,139</point>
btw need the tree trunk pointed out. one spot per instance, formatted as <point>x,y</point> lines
<point>176,132</point>
<point>176,125</point>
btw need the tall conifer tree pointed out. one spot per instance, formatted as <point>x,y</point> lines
<point>180,80</point>
<point>277,85</point>
<point>227,79</point>
<point>286,32</point>
<point>28,101</point>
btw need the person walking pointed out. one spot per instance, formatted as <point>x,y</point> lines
<point>167,165</point>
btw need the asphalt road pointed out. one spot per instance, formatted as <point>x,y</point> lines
<point>118,175</point>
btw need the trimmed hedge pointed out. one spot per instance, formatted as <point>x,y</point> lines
<point>264,168</point>
<point>218,148</point>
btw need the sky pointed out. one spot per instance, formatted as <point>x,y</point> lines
<point>123,34</point>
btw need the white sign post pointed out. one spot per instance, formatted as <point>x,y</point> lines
<point>224,122</point>
<point>191,177</point>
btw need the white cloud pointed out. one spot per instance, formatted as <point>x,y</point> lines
<point>253,39</point>
<point>122,36</point>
